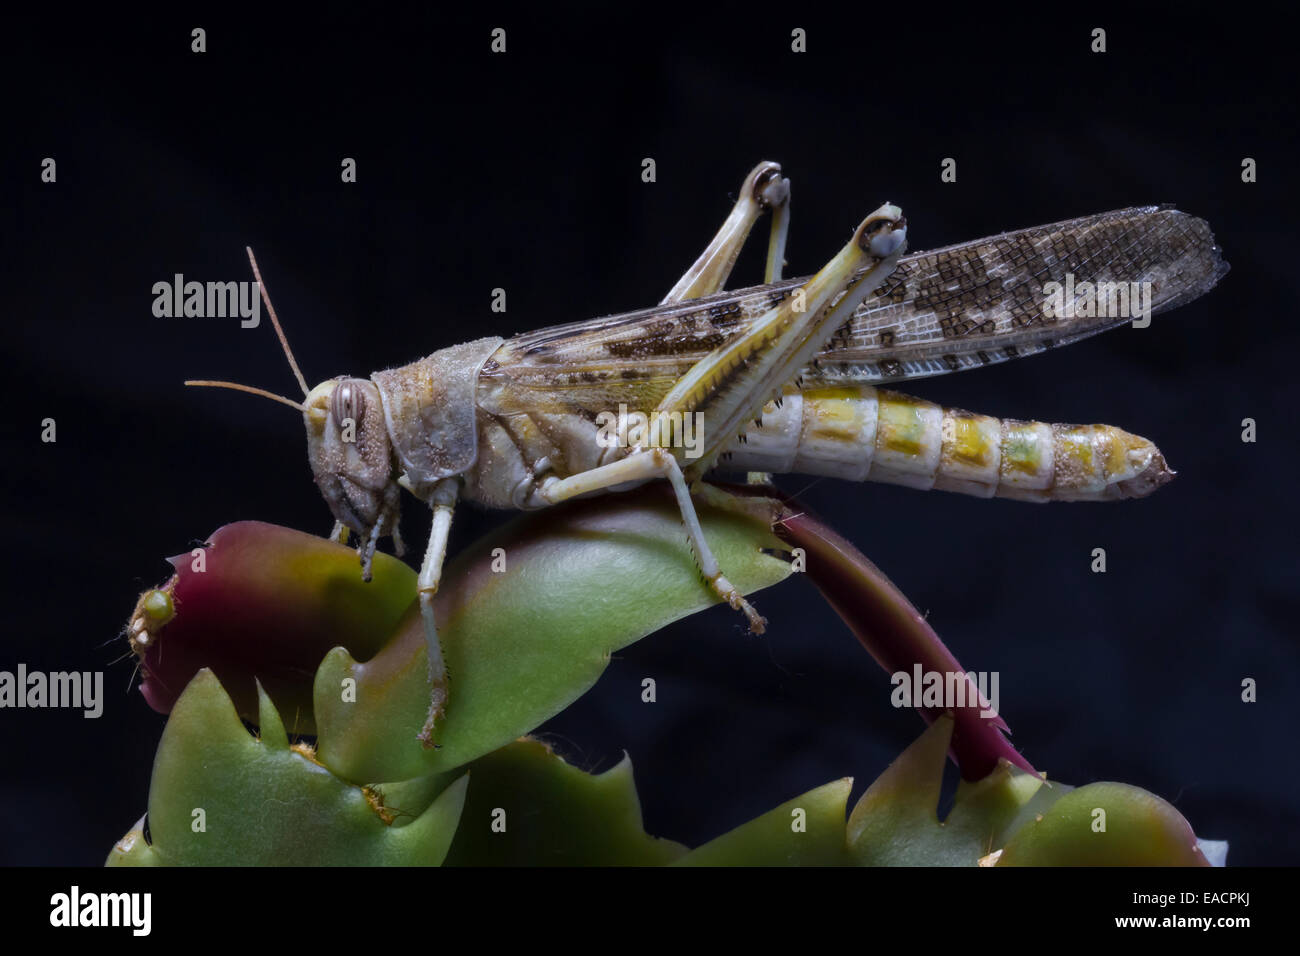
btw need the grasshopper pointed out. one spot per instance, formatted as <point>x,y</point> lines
<point>777,378</point>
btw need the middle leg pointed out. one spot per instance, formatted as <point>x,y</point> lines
<point>442,500</point>
<point>643,464</point>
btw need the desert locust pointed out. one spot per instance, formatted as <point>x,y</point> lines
<point>776,378</point>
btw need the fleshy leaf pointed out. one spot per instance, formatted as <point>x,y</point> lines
<point>220,796</point>
<point>521,644</point>
<point>262,602</point>
<point>1106,824</point>
<point>896,822</point>
<point>985,811</point>
<point>1010,817</point>
<point>805,831</point>
<point>527,807</point>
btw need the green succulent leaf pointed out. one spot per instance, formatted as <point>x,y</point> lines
<point>1009,818</point>
<point>222,797</point>
<point>985,811</point>
<point>527,807</point>
<point>1105,824</point>
<point>896,822</point>
<point>527,629</point>
<point>529,617</point>
<point>805,831</point>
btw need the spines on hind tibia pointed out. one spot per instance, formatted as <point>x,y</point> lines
<point>862,433</point>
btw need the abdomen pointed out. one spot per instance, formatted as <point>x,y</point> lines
<point>862,433</point>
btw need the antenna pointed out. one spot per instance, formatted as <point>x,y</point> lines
<point>278,331</point>
<point>252,391</point>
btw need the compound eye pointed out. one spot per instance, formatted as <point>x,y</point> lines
<point>348,401</point>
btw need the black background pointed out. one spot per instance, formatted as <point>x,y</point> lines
<point>523,171</point>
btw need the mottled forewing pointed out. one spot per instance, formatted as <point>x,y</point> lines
<point>985,301</point>
<point>960,307</point>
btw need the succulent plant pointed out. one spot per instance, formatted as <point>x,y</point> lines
<point>295,692</point>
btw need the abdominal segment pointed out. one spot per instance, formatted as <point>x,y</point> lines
<point>863,433</point>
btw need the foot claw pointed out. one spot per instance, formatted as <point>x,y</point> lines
<point>725,590</point>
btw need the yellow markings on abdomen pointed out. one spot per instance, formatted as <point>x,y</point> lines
<point>972,453</point>
<point>837,432</point>
<point>909,441</point>
<point>1028,460</point>
<point>866,434</point>
<point>1101,461</point>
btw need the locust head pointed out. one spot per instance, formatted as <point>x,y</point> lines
<point>351,459</point>
<point>347,444</point>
